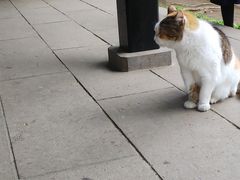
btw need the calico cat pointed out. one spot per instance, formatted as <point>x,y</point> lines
<point>209,67</point>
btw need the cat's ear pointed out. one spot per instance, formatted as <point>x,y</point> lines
<point>171,9</point>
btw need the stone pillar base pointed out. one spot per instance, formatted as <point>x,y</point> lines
<point>122,61</point>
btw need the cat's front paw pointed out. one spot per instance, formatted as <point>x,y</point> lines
<point>190,105</point>
<point>203,107</point>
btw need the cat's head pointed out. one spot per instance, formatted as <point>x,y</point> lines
<point>171,29</point>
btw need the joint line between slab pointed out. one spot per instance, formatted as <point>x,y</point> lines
<point>113,122</point>
<point>76,167</point>
<point>166,81</point>
<point>119,129</point>
<point>214,111</point>
<point>232,123</point>
<point>78,23</point>
<point>39,34</point>
<point>132,94</point>
<point>33,76</point>
<point>9,140</point>
<point>96,7</point>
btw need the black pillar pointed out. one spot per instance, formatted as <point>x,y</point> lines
<point>136,20</point>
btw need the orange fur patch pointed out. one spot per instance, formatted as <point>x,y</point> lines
<point>163,36</point>
<point>194,93</point>
<point>192,22</point>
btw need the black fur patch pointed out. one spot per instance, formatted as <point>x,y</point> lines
<point>226,46</point>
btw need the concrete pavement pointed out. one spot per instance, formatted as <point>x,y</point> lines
<point>64,115</point>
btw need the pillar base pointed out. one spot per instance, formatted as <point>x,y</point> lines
<point>122,61</point>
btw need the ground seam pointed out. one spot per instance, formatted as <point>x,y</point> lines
<point>113,122</point>
<point>214,111</point>
<point>132,94</point>
<point>96,7</point>
<point>33,76</point>
<point>76,167</point>
<point>9,139</point>
<point>78,23</point>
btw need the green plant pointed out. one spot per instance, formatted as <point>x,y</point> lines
<point>209,19</point>
<point>213,20</point>
<point>179,7</point>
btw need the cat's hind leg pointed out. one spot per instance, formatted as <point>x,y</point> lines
<point>235,87</point>
<point>220,93</point>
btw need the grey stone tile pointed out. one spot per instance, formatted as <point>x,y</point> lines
<point>171,73</point>
<point>94,19</point>
<point>54,125</point>
<point>126,168</point>
<point>26,57</point>
<point>7,168</point>
<point>102,24</point>
<point>14,28</point>
<point>108,5</point>
<point>181,144</point>
<point>7,10</point>
<point>43,15</point>
<point>69,5</point>
<point>109,35</point>
<point>89,66</point>
<point>67,35</point>
<point>235,44</point>
<point>29,4</point>
<point>229,109</point>
<point>230,32</point>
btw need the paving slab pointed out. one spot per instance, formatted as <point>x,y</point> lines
<point>103,24</point>
<point>109,35</point>
<point>29,4</point>
<point>171,73</point>
<point>14,28</point>
<point>127,168</point>
<point>54,125</point>
<point>231,32</point>
<point>229,109</point>
<point>27,57</point>
<point>235,44</point>
<point>109,6</point>
<point>69,5</point>
<point>94,19</point>
<point>7,168</point>
<point>7,10</point>
<point>43,15</point>
<point>89,65</point>
<point>180,144</point>
<point>62,35</point>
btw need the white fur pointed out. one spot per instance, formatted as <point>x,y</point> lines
<point>200,58</point>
